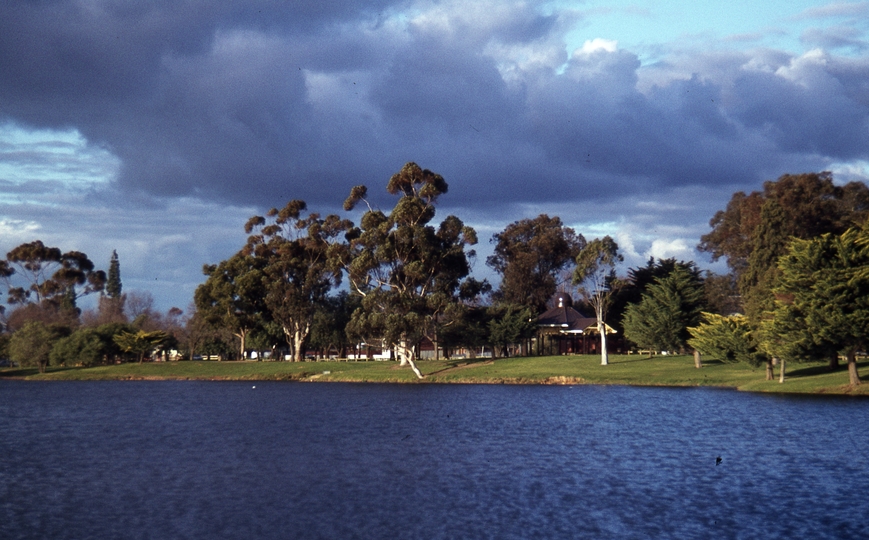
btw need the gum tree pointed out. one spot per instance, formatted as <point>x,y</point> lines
<point>45,276</point>
<point>233,296</point>
<point>300,258</point>
<point>529,255</point>
<point>407,270</point>
<point>595,274</point>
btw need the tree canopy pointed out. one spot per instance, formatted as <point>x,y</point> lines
<point>407,271</point>
<point>298,263</point>
<point>670,305</point>
<point>51,277</point>
<point>822,298</point>
<point>529,255</point>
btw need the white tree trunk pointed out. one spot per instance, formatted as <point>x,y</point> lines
<point>601,327</point>
<point>781,375</point>
<point>405,353</point>
<point>296,335</point>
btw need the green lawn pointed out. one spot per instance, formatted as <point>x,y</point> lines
<point>623,369</point>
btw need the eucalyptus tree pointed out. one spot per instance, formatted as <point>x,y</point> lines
<point>407,271</point>
<point>595,274</point>
<point>233,297</point>
<point>529,255</point>
<point>50,277</point>
<point>300,264</point>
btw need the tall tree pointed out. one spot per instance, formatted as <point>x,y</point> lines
<point>595,273</point>
<point>233,296</point>
<point>822,298</point>
<point>407,271</point>
<point>113,279</point>
<point>755,229</point>
<point>299,264</point>
<point>52,278</point>
<point>639,279</point>
<point>529,255</point>
<point>670,305</point>
<point>811,203</point>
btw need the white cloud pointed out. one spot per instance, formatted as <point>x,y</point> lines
<point>596,45</point>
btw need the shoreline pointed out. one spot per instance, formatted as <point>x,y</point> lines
<point>624,370</point>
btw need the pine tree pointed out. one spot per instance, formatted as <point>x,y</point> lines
<point>671,305</point>
<point>113,280</point>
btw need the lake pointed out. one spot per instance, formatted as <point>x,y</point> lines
<point>198,459</point>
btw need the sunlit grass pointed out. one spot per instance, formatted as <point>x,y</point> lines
<point>622,370</point>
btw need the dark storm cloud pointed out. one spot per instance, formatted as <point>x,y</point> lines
<point>258,102</point>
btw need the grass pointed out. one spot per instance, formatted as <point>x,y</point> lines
<point>623,370</point>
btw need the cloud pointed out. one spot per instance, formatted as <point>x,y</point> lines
<point>248,105</point>
<point>835,9</point>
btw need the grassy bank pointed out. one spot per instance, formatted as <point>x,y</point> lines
<point>623,369</point>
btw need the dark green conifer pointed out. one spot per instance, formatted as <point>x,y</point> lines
<point>113,283</point>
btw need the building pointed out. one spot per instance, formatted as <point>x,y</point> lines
<point>564,330</point>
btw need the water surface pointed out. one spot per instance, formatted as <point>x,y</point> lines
<point>196,459</point>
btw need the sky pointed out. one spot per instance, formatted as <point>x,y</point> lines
<point>157,128</point>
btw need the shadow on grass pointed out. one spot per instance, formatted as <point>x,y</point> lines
<point>15,373</point>
<point>824,369</point>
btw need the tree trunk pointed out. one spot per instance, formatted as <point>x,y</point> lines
<point>604,355</point>
<point>769,371</point>
<point>781,376</point>
<point>853,376</point>
<point>406,355</point>
<point>601,327</point>
<point>242,338</point>
<point>697,363</point>
<point>834,361</point>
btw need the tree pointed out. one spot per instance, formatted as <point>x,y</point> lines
<point>85,346</point>
<point>755,230</point>
<point>31,345</point>
<point>51,277</point>
<point>298,264</point>
<point>407,271</point>
<point>113,279</point>
<point>812,205</point>
<point>725,338</point>
<point>638,281</point>
<point>510,324</point>
<point>595,273</point>
<point>529,255</point>
<point>233,296</point>
<point>670,305</point>
<point>722,293</point>
<point>822,298</point>
<point>141,342</point>
<point>328,330</point>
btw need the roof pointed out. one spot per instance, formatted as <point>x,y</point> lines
<point>566,319</point>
